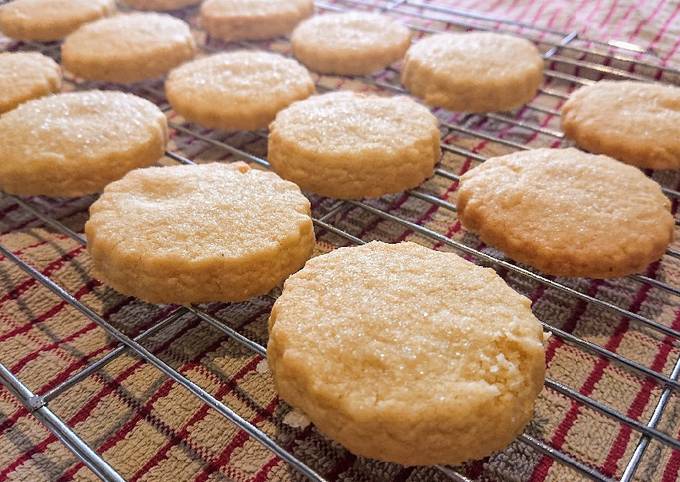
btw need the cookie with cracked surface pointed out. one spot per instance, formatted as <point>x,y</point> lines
<point>240,90</point>
<point>351,146</point>
<point>474,71</point>
<point>48,20</point>
<point>355,43</point>
<point>76,143</point>
<point>567,213</point>
<point>367,345</point>
<point>25,76</point>
<point>191,234</point>
<point>160,5</point>
<point>232,20</point>
<point>634,122</point>
<point>128,48</point>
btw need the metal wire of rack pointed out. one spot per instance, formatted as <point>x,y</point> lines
<point>570,62</point>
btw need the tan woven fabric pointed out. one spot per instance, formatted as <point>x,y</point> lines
<point>149,428</point>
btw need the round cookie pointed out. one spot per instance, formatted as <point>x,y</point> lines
<point>355,43</point>
<point>76,143</point>
<point>192,234</point>
<point>567,213</point>
<point>25,76</point>
<point>473,72</point>
<point>350,146</point>
<point>128,48</point>
<point>634,122</point>
<point>240,90</point>
<point>47,20</point>
<point>232,20</point>
<point>406,354</point>
<point>160,5</point>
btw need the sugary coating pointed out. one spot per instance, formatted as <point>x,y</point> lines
<point>634,122</point>
<point>240,90</point>
<point>192,234</point>
<point>473,71</point>
<point>350,146</point>
<point>406,354</point>
<point>76,143</point>
<point>47,20</point>
<point>128,48</point>
<point>567,213</point>
<point>160,5</point>
<point>25,76</point>
<point>232,20</point>
<point>355,43</point>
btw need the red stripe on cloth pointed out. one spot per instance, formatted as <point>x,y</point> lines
<point>670,473</point>
<point>664,28</point>
<point>645,21</point>
<point>261,476</point>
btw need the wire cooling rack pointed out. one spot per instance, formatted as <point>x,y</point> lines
<point>426,215</point>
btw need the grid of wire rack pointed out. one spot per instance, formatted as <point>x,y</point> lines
<point>466,140</point>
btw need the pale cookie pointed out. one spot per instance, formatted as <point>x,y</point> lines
<point>405,354</point>
<point>356,43</point>
<point>25,76</point>
<point>634,122</point>
<point>160,5</point>
<point>567,213</point>
<point>128,48</point>
<point>192,234</point>
<point>47,20</point>
<point>473,72</point>
<point>350,146</point>
<point>240,90</point>
<point>231,20</point>
<point>76,143</point>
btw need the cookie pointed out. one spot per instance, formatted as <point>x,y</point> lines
<point>355,43</point>
<point>47,20</point>
<point>232,20</point>
<point>567,213</point>
<point>350,146</point>
<point>128,48</point>
<point>473,72</point>
<point>237,90</point>
<point>160,5</point>
<point>25,76</point>
<point>405,354</point>
<point>634,122</point>
<point>192,234</point>
<point>76,143</point>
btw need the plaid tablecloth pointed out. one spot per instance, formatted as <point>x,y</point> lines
<point>149,428</point>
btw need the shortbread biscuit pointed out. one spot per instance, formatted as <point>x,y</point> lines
<point>128,48</point>
<point>76,143</point>
<point>192,234</point>
<point>25,76</point>
<point>232,20</point>
<point>350,146</point>
<point>567,213</point>
<point>473,72</point>
<point>406,354</point>
<point>355,43</point>
<point>634,122</point>
<point>47,20</point>
<point>160,5</point>
<point>240,90</point>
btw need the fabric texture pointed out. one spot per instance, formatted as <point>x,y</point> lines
<point>149,428</point>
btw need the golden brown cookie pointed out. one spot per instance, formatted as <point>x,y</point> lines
<point>406,354</point>
<point>128,48</point>
<point>473,71</point>
<point>76,143</point>
<point>567,213</point>
<point>160,5</point>
<point>191,234</point>
<point>47,20</point>
<point>350,146</point>
<point>355,43</point>
<point>25,76</point>
<point>253,19</point>
<point>237,90</point>
<point>634,122</point>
